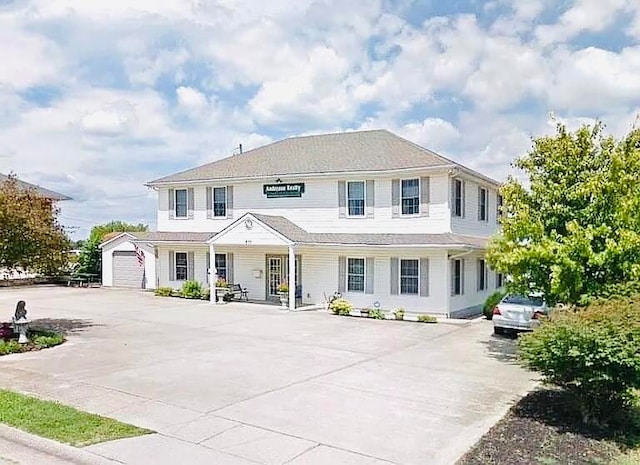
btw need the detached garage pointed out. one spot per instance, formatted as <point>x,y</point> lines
<point>123,267</point>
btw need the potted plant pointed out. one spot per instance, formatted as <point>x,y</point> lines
<point>283,291</point>
<point>399,313</point>
<point>364,312</point>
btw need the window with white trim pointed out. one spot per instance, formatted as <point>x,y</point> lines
<point>221,265</point>
<point>355,198</point>
<point>483,204</point>
<point>182,197</point>
<point>458,198</point>
<point>355,274</point>
<point>499,280</point>
<point>410,196</point>
<point>182,265</point>
<point>409,276</point>
<point>457,287</point>
<point>219,202</point>
<point>482,275</point>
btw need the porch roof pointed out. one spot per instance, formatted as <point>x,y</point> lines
<point>168,236</point>
<point>298,236</point>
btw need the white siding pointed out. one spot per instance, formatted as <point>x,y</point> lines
<point>470,224</point>
<point>123,244</point>
<point>200,264</point>
<point>472,299</point>
<point>317,209</point>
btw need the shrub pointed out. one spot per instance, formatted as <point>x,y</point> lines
<point>592,353</point>
<point>376,314</point>
<point>206,294</point>
<point>399,313</point>
<point>46,339</point>
<point>163,291</point>
<point>9,347</point>
<point>341,307</point>
<point>191,290</point>
<point>493,300</point>
<point>427,319</point>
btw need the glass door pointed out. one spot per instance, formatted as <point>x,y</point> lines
<point>275,275</point>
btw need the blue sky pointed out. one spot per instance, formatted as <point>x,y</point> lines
<point>98,97</point>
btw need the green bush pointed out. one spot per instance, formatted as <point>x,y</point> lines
<point>191,290</point>
<point>592,353</point>
<point>9,347</point>
<point>206,294</point>
<point>42,339</point>
<point>38,339</point>
<point>341,307</point>
<point>427,319</point>
<point>163,291</point>
<point>376,314</point>
<point>399,313</point>
<point>493,300</point>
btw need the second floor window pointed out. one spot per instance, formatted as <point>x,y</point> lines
<point>181,203</point>
<point>355,198</point>
<point>498,208</point>
<point>355,274</point>
<point>219,202</point>
<point>483,204</point>
<point>458,198</point>
<point>410,196</point>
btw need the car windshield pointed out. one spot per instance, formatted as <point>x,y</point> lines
<point>531,301</point>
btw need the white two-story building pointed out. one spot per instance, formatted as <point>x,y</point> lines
<point>368,214</point>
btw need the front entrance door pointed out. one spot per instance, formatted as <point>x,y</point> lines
<point>278,272</point>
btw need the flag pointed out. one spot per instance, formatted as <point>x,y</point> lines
<point>139,255</point>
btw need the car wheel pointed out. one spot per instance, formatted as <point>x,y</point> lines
<point>498,330</point>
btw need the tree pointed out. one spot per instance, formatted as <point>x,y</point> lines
<point>575,232</point>
<point>31,238</point>
<point>90,255</point>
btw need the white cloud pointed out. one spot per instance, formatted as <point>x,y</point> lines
<point>191,98</point>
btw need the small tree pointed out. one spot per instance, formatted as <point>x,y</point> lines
<point>91,255</point>
<point>576,229</point>
<point>31,237</point>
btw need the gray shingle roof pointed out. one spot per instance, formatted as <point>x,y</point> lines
<point>360,151</point>
<point>296,234</point>
<point>46,193</point>
<point>167,236</point>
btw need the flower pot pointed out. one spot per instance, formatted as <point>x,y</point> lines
<point>364,313</point>
<point>284,299</point>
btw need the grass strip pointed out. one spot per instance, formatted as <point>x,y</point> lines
<point>60,422</point>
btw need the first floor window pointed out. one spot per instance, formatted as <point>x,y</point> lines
<point>482,275</point>
<point>499,280</point>
<point>355,198</point>
<point>181,266</point>
<point>458,198</point>
<point>410,196</point>
<point>219,202</point>
<point>498,208</point>
<point>221,265</point>
<point>355,274</point>
<point>409,280</point>
<point>181,203</point>
<point>457,287</point>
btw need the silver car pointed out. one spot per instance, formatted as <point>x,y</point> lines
<point>518,313</point>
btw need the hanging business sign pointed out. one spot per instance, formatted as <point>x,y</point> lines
<point>274,191</point>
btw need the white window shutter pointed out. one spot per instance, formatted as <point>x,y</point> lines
<point>424,195</point>
<point>342,274</point>
<point>369,269</point>
<point>424,277</point>
<point>230,269</point>
<point>190,266</point>
<point>172,265</point>
<point>229,202</point>
<point>172,204</point>
<point>209,203</point>
<point>394,268</point>
<point>190,202</point>
<point>395,198</point>
<point>371,198</point>
<point>342,199</point>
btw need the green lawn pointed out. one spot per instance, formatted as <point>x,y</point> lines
<point>60,422</point>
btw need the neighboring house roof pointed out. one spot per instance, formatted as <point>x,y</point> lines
<point>46,193</point>
<point>296,234</point>
<point>360,151</point>
<point>156,236</point>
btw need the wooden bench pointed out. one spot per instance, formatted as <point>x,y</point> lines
<point>236,291</point>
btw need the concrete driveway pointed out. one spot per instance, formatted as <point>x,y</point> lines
<point>246,384</point>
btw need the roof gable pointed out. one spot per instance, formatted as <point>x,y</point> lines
<point>360,151</point>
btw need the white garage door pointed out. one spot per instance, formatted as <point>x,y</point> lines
<point>126,270</point>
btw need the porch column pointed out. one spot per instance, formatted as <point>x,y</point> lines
<point>292,278</point>
<point>212,274</point>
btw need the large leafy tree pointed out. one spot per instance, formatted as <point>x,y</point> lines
<point>574,231</point>
<point>90,255</point>
<point>31,238</point>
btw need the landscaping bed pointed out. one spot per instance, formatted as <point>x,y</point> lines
<point>38,340</point>
<point>544,428</point>
<point>60,422</point>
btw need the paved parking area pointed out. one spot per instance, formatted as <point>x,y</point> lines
<point>253,384</point>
